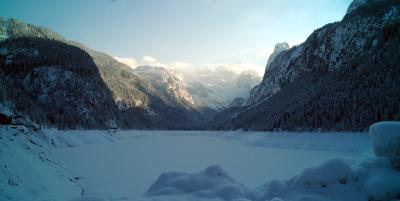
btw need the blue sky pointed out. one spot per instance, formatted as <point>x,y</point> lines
<point>185,33</point>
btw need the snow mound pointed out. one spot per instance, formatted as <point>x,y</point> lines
<point>327,181</point>
<point>329,173</point>
<point>386,140</point>
<point>212,182</point>
<point>373,179</point>
<point>333,180</point>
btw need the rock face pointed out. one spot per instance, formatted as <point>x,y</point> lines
<point>65,84</point>
<point>345,76</point>
<point>259,89</point>
<point>170,87</point>
<point>279,47</point>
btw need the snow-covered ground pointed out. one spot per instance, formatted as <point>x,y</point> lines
<point>134,163</point>
<point>202,165</point>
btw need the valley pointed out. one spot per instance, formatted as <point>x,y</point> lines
<point>200,100</point>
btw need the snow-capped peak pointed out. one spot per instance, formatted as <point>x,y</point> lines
<point>279,47</point>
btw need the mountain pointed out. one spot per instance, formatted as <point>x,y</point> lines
<point>68,85</point>
<point>279,47</point>
<point>345,76</point>
<point>169,87</point>
<point>254,97</point>
<point>216,87</point>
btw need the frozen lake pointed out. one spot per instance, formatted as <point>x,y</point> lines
<point>127,163</point>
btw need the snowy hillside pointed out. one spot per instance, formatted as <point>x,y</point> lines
<point>322,124</point>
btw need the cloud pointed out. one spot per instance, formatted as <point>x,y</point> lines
<point>128,61</point>
<point>181,67</point>
<point>152,61</point>
<point>149,59</point>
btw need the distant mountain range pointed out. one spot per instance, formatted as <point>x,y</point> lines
<point>217,87</point>
<point>345,76</point>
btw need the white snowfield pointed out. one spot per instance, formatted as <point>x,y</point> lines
<point>198,165</point>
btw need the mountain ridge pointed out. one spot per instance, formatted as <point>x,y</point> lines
<point>68,85</point>
<point>330,81</point>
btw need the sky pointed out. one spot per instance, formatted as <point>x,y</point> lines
<point>237,34</point>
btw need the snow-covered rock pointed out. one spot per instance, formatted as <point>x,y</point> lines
<point>212,182</point>
<point>386,140</point>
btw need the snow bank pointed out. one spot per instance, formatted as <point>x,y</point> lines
<point>386,140</point>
